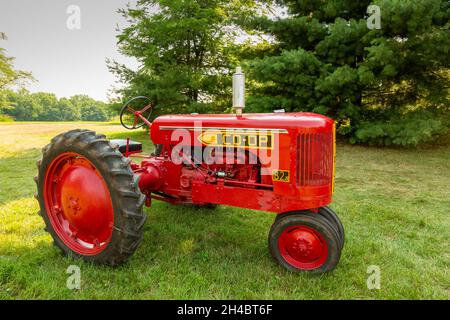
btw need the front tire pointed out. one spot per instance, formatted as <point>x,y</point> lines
<point>89,198</point>
<point>331,216</point>
<point>328,214</point>
<point>305,241</point>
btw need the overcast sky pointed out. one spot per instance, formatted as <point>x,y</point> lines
<point>64,61</point>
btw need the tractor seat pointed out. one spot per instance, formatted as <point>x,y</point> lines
<point>133,146</point>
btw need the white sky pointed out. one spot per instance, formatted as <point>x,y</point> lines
<point>65,62</point>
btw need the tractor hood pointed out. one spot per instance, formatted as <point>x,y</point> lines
<point>295,121</point>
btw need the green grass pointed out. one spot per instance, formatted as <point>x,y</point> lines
<point>394,204</point>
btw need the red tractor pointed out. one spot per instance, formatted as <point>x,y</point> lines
<point>91,194</point>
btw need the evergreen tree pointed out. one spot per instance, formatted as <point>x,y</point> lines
<point>383,86</point>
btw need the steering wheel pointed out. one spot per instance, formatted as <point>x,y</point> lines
<point>136,113</point>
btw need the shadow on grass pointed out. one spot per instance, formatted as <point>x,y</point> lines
<point>189,232</point>
<point>179,243</point>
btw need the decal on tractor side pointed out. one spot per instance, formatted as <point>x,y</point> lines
<point>237,139</point>
<point>281,175</point>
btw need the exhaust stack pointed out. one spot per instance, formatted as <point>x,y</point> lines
<point>239,91</point>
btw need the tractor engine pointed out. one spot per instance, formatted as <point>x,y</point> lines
<point>156,174</point>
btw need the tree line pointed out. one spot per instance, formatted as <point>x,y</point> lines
<point>21,105</point>
<point>42,106</point>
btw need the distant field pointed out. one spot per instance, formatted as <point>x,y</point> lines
<point>394,204</point>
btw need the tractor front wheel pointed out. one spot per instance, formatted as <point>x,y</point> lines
<point>330,215</point>
<point>89,198</point>
<point>305,241</point>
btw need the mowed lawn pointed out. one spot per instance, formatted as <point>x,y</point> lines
<point>395,206</point>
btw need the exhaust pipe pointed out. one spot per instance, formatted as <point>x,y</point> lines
<point>239,91</point>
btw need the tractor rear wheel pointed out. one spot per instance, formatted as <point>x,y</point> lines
<point>89,198</point>
<point>305,241</point>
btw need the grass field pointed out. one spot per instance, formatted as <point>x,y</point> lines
<point>395,205</point>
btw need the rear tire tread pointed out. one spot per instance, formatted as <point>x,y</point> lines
<point>129,217</point>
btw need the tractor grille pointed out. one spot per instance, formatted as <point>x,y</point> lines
<point>315,159</point>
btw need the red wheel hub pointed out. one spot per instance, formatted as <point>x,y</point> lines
<point>303,247</point>
<point>78,204</point>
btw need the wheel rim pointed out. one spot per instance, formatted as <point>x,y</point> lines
<point>303,247</point>
<point>78,204</point>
